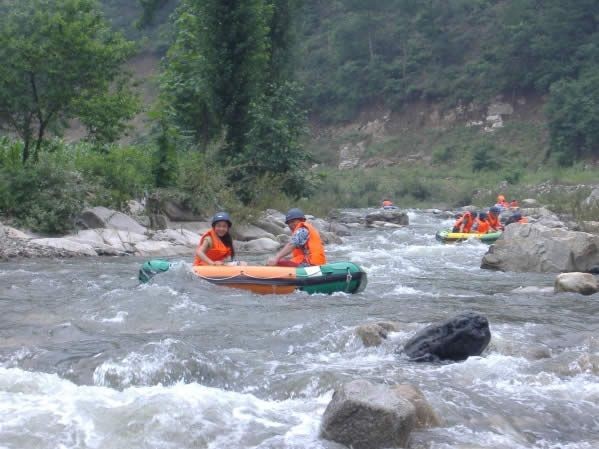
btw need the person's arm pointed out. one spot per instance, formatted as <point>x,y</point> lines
<point>285,251</point>
<point>201,252</point>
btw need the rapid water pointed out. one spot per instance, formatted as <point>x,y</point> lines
<point>91,359</point>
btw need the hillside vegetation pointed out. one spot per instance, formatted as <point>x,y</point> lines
<point>256,98</point>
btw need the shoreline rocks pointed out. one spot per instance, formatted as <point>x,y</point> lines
<point>582,283</point>
<point>111,233</point>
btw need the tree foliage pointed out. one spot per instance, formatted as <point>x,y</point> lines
<point>226,80</point>
<point>60,59</point>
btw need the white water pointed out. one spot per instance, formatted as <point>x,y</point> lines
<point>89,359</point>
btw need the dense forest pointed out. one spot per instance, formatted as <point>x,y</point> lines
<point>240,81</point>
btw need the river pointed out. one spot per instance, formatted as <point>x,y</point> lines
<point>91,359</point>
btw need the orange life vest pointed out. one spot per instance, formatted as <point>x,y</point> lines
<point>312,252</point>
<point>483,226</point>
<point>387,203</point>
<point>494,222</point>
<point>464,223</point>
<point>218,251</point>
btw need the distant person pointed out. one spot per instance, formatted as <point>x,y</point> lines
<point>463,223</point>
<point>388,204</point>
<point>306,247</point>
<point>502,203</point>
<point>516,217</point>
<point>216,244</point>
<point>481,224</point>
<point>493,219</point>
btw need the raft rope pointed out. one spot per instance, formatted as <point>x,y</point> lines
<point>348,279</point>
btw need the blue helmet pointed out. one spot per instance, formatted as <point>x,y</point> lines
<point>495,210</point>
<point>482,215</point>
<point>221,216</point>
<point>294,214</point>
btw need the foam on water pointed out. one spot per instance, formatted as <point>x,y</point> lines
<point>50,412</point>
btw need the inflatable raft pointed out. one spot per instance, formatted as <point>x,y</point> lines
<point>333,277</point>
<point>446,236</point>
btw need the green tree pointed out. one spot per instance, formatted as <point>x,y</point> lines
<point>61,60</point>
<point>573,114</point>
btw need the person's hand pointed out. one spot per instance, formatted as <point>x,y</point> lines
<point>271,262</point>
<point>218,262</point>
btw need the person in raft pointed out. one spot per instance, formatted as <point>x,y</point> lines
<point>387,204</point>
<point>305,247</point>
<point>216,244</point>
<point>493,219</point>
<point>516,217</point>
<point>464,222</point>
<point>502,203</point>
<point>481,225</point>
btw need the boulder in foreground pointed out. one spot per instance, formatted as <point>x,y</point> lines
<point>363,415</point>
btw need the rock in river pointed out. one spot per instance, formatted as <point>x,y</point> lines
<point>454,339</point>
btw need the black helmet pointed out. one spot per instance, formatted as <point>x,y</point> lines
<point>482,215</point>
<point>517,215</point>
<point>294,214</point>
<point>495,210</point>
<point>221,216</point>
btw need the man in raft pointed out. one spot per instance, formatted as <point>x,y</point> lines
<point>387,204</point>
<point>493,219</point>
<point>305,246</point>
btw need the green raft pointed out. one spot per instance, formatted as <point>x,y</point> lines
<point>330,278</point>
<point>446,236</point>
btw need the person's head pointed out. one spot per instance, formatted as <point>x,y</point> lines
<point>294,217</point>
<point>459,215</point>
<point>495,210</point>
<point>500,198</point>
<point>221,223</point>
<point>517,215</point>
<point>482,216</point>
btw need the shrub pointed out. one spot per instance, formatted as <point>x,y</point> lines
<point>485,158</point>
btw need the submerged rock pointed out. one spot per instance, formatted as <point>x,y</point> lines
<point>456,339</point>
<point>537,248</point>
<point>373,334</point>
<point>363,415</point>
<point>583,283</point>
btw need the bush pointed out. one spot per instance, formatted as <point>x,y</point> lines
<point>45,197</point>
<point>485,158</point>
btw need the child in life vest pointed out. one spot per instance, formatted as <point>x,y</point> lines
<point>216,244</point>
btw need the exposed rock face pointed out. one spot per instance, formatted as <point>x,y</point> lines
<point>373,334</point>
<point>363,415</point>
<point>80,249</point>
<point>102,217</point>
<point>454,339</point>
<point>425,415</point>
<point>593,199</point>
<point>537,248</point>
<point>350,154</point>
<point>394,216</point>
<point>583,283</point>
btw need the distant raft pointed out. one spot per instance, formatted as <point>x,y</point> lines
<point>330,278</point>
<point>446,236</point>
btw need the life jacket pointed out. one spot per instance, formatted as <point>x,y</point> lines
<point>494,222</point>
<point>483,226</point>
<point>387,203</point>
<point>218,251</point>
<point>312,252</point>
<point>464,223</point>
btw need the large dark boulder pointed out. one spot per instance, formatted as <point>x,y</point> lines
<point>394,216</point>
<point>454,339</point>
<point>363,415</point>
